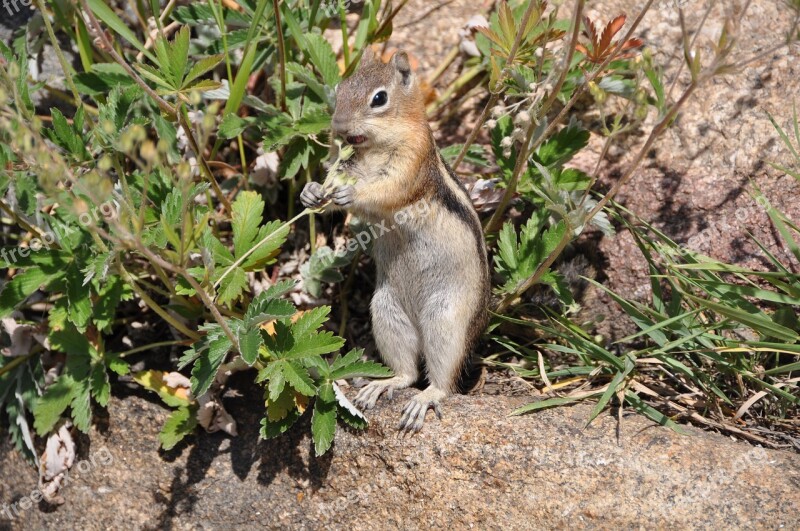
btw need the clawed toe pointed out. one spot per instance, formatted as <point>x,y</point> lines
<point>414,414</point>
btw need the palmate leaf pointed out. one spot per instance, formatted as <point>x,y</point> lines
<point>516,260</point>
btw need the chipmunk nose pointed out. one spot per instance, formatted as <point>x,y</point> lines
<point>339,125</point>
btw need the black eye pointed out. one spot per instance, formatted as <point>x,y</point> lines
<point>379,99</point>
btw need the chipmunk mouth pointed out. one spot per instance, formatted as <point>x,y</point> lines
<point>356,140</point>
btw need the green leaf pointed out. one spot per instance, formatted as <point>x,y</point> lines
<point>248,210</point>
<point>298,378</point>
<point>213,349</point>
<point>757,321</point>
<point>562,146</point>
<point>314,345</point>
<point>82,405</point>
<point>49,407</point>
<point>101,387</point>
<point>310,321</point>
<point>178,51</point>
<point>476,155</point>
<point>322,57</point>
<point>323,422</point>
<point>651,413</point>
<point>22,286</point>
<point>181,422</point>
<point>361,369</point>
<point>249,343</point>
<point>233,125</point>
<point>79,297</point>
<point>612,388</point>
<point>271,429</point>
<point>265,308</point>
<point>232,286</point>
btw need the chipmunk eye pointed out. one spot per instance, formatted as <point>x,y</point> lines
<point>379,99</point>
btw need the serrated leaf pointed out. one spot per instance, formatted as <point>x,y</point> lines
<point>322,57</point>
<point>78,297</point>
<point>264,308</point>
<point>361,369</point>
<point>22,286</point>
<point>323,422</point>
<point>50,406</point>
<point>562,146</point>
<point>298,378</point>
<point>271,429</point>
<point>101,387</point>
<point>314,345</point>
<point>249,343</point>
<point>310,320</point>
<point>232,286</point>
<point>233,125</point>
<point>181,422</point>
<point>208,362</point>
<point>247,214</point>
<point>282,404</point>
<point>82,405</point>
<point>201,67</point>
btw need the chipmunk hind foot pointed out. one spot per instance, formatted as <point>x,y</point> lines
<point>368,395</point>
<point>415,410</point>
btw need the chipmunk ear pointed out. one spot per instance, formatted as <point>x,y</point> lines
<point>402,65</point>
<point>368,56</point>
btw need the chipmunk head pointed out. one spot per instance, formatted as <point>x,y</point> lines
<point>379,104</point>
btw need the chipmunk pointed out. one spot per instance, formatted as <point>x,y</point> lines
<point>432,291</point>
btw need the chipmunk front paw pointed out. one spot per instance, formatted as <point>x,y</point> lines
<point>312,195</point>
<point>344,195</point>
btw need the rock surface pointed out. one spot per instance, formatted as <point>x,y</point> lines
<point>477,466</point>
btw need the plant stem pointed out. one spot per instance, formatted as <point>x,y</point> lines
<point>153,305</point>
<point>282,54</point>
<point>184,119</point>
<point>345,36</point>
<point>13,364</point>
<point>454,87</point>
<point>153,346</point>
<point>61,59</point>
<point>445,64</point>
<point>312,221</point>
